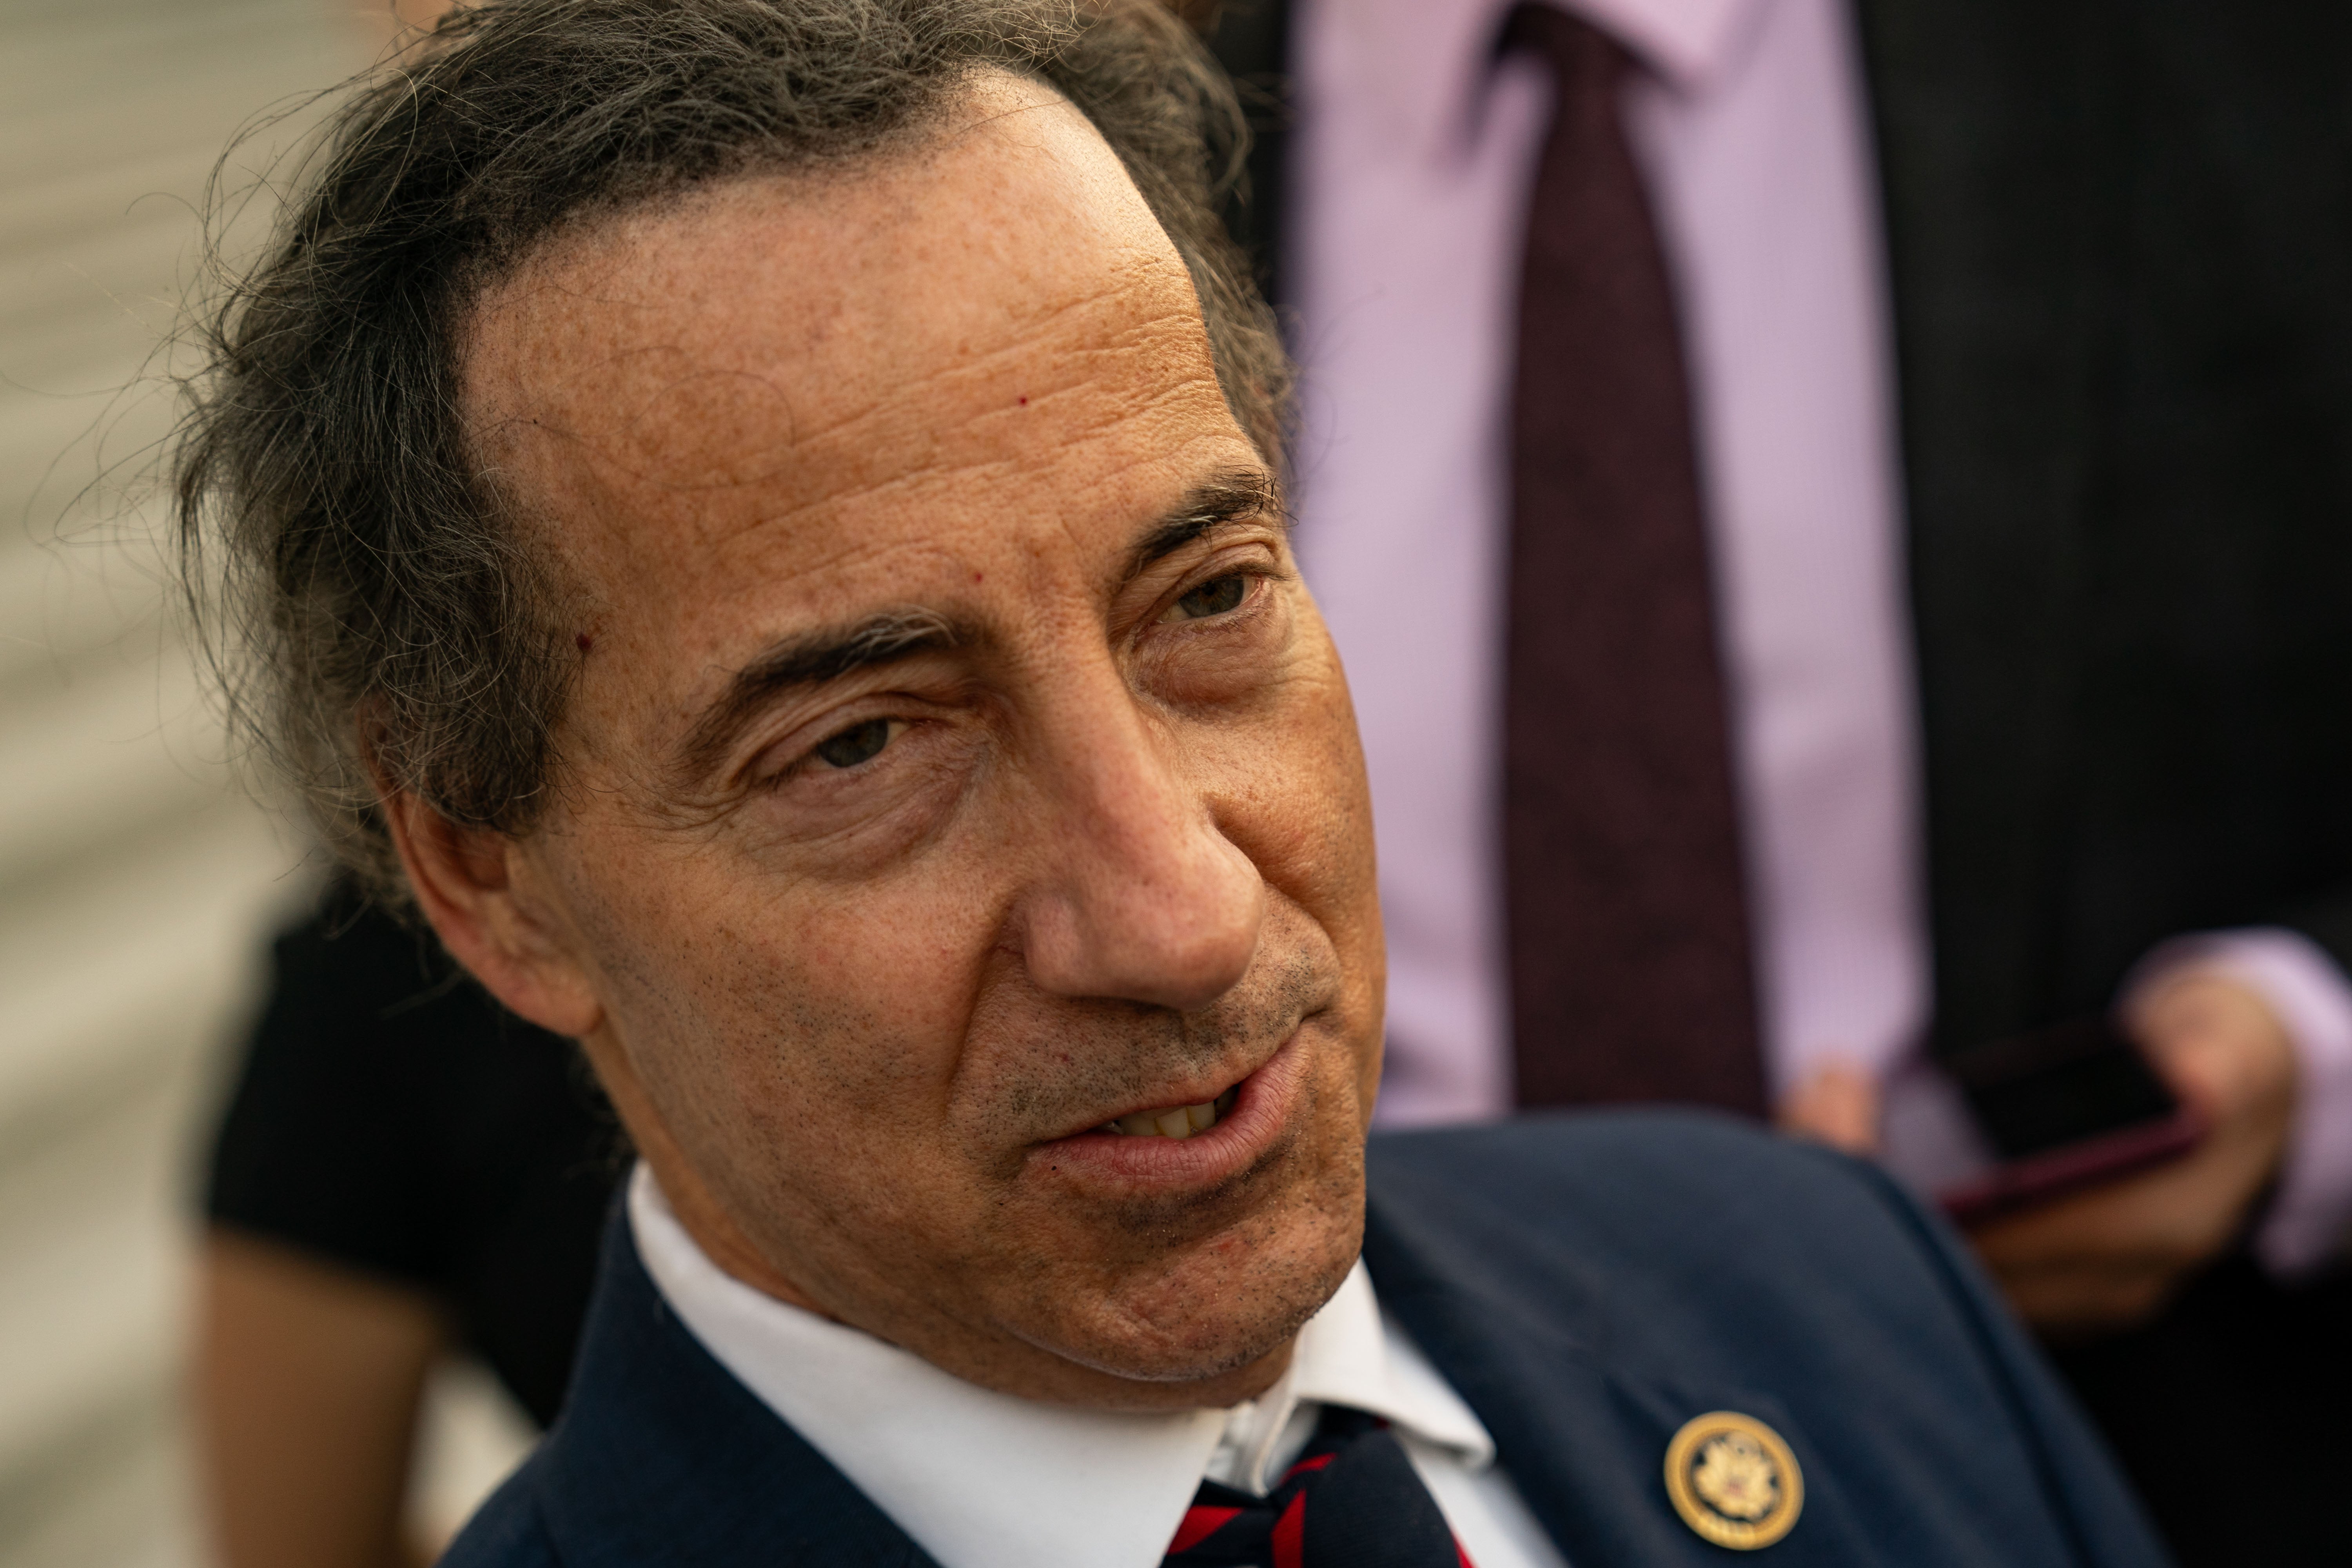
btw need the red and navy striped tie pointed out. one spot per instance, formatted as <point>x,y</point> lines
<point>1352,1500</point>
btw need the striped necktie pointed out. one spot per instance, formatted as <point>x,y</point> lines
<point>1352,1500</point>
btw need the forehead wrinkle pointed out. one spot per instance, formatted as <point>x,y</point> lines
<point>904,559</point>
<point>1073,365</point>
<point>1076,354</point>
<point>1068,323</point>
<point>888,428</point>
<point>903,419</point>
<point>849,553</point>
<point>630,250</point>
<point>917,483</point>
<point>897,486</point>
<point>609,452</point>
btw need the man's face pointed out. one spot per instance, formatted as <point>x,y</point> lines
<point>957,765</point>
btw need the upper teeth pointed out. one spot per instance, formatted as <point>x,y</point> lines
<point>1178,1121</point>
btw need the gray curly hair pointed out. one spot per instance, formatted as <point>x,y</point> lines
<point>373,614</point>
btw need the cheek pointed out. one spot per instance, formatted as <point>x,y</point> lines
<point>1299,806</point>
<point>747,999</point>
<point>1295,797</point>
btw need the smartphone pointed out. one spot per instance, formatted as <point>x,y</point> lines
<point>2064,1108</point>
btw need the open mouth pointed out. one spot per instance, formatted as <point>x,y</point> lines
<point>1178,1121</point>
<point>1189,1145</point>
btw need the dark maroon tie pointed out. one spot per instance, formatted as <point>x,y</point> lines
<point>1631,974</point>
<point>1352,1500</point>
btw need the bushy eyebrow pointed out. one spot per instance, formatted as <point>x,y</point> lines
<point>811,659</point>
<point>1226,497</point>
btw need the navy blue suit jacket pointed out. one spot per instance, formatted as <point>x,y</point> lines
<point>1587,1282</point>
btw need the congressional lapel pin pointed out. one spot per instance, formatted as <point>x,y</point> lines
<point>1734,1481</point>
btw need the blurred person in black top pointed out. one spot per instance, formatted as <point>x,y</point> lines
<point>405,1169</point>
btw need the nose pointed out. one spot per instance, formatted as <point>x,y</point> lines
<point>1139,896</point>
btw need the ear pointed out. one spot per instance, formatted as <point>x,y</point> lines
<point>475,886</point>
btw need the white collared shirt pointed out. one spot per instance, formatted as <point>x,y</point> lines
<point>983,1480</point>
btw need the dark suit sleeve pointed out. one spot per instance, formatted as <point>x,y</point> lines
<point>507,1531</point>
<point>2085,1487</point>
<point>2327,921</point>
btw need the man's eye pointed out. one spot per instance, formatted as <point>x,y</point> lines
<point>1213,598</point>
<point>859,744</point>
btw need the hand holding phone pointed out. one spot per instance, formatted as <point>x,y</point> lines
<point>2064,1108</point>
<point>2103,1254</point>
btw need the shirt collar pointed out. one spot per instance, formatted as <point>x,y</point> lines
<point>1428,61</point>
<point>983,1480</point>
<point>1691,43</point>
<point>1348,1354</point>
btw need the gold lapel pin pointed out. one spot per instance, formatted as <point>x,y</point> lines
<point>1734,1481</point>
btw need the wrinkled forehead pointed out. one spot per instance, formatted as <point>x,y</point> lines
<point>769,346</point>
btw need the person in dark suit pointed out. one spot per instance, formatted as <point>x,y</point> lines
<point>1530,1263</point>
<point>758,521</point>
<point>2014,340</point>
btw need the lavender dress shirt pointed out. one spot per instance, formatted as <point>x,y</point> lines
<point>1411,165</point>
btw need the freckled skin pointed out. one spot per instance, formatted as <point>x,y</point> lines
<point>1108,849</point>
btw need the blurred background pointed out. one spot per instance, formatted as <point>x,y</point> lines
<point>137,883</point>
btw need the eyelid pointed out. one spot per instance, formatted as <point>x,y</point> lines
<point>1258,572</point>
<point>800,743</point>
<point>911,690</point>
<point>1225,561</point>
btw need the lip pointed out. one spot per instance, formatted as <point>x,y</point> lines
<point>1262,1113</point>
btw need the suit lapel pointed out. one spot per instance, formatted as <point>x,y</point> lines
<point>1583,1441</point>
<point>661,1455</point>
